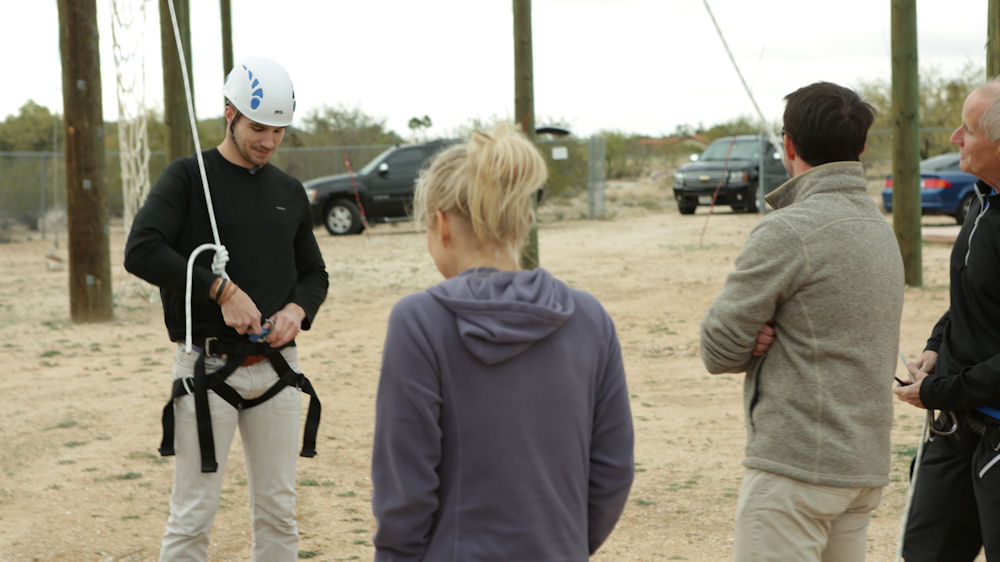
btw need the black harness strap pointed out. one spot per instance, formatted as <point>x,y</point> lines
<point>201,382</point>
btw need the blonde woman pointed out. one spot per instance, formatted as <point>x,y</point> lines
<point>503,429</point>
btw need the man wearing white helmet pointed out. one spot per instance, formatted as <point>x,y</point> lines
<point>243,372</point>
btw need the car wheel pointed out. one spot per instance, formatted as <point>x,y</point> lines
<point>751,199</point>
<point>963,208</point>
<point>686,209</point>
<point>342,217</point>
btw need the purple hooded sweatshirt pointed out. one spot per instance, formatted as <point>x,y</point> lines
<point>502,423</point>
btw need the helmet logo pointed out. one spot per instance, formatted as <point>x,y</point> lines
<point>258,93</point>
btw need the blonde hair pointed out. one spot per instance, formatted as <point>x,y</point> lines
<point>489,180</point>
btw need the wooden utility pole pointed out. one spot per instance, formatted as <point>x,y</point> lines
<point>226,13</point>
<point>906,139</point>
<point>86,183</point>
<point>993,39</point>
<point>180,140</point>
<point>524,105</point>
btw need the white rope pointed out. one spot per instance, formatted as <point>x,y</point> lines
<point>773,137</point>
<point>913,486</point>
<point>928,420</point>
<point>221,255</point>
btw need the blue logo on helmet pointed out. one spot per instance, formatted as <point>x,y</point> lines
<point>258,93</point>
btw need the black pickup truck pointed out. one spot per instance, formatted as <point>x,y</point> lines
<point>384,189</point>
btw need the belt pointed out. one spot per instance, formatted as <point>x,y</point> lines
<point>976,424</point>
<point>252,360</point>
<point>249,360</point>
<point>215,347</point>
<point>983,426</point>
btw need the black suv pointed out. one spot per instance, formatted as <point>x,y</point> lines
<point>384,189</point>
<point>731,165</point>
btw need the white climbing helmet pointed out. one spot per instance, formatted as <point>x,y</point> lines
<point>261,89</point>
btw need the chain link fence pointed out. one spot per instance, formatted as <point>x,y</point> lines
<point>33,198</point>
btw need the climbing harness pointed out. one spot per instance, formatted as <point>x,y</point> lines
<point>236,352</point>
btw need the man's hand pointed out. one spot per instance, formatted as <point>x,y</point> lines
<point>285,325</point>
<point>765,337</point>
<point>241,314</point>
<point>927,361</point>
<point>910,393</point>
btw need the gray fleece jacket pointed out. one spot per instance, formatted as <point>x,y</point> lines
<point>827,268</point>
<point>502,423</point>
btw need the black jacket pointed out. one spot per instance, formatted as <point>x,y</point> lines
<point>264,221</point>
<point>967,337</point>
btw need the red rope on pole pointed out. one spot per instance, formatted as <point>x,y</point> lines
<point>357,196</point>
<point>723,179</point>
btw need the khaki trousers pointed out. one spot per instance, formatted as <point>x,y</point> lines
<point>780,518</point>
<point>269,432</point>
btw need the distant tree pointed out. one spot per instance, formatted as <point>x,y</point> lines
<point>31,129</point>
<point>419,126</point>
<point>941,99</point>
<point>742,125</point>
<point>342,126</point>
<point>616,154</point>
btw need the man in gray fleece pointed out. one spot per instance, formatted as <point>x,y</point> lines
<point>811,314</point>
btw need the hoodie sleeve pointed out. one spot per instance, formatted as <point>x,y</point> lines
<point>765,273</point>
<point>612,464</point>
<point>407,442</point>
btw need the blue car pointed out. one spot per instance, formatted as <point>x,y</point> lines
<point>944,188</point>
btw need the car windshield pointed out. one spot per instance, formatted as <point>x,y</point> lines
<point>941,163</point>
<point>741,150</point>
<point>370,167</point>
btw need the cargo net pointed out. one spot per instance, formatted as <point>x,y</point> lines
<point>127,32</point>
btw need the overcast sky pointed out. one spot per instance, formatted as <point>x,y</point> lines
<point>636,66</point>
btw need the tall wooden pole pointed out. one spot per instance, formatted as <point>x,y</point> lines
<point>180,140</point>
<point>993,39</point>
<point>906,139</point>
<point>524,104</point>
<point>226,13</point>
<point>86,183</point>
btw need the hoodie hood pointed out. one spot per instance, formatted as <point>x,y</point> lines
<point>499,314</point>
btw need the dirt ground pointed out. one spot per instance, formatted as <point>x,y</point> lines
<point>80,404</point>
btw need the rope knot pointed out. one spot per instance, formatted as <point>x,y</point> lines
<point>220,260</point>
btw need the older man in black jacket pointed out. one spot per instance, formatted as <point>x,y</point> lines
<point>956,503</point>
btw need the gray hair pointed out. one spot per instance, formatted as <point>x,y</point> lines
<point>990,120</point>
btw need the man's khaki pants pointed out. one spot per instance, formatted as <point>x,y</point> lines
<point>780,518</point>
<point>269,432</point>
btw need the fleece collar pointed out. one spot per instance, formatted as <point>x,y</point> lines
<point>825,178</point>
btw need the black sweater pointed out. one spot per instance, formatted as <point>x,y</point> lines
<point>967,337</point>
<point>265,223</point>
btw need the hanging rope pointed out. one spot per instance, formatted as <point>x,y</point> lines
<point>773,137</point>
<point>221,254</point>
<point>357,196</point>
<point>715,194</point>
